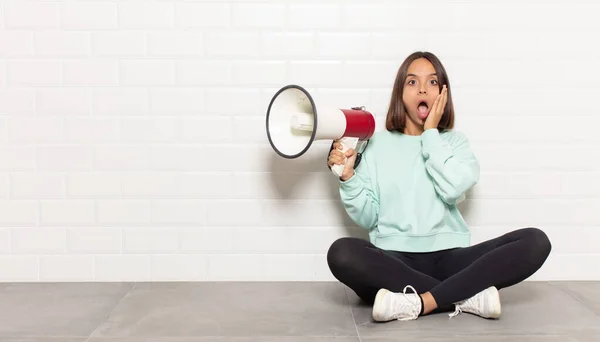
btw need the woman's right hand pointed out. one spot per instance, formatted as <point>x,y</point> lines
<point>336,156</point>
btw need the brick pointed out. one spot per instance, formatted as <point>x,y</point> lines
<point>4,190</point>
<point>311,73</point>
<point>148,130</point>
<point>322,16</point>
<point>397,45</point>
<point>122,43</point>
<point>284,44</point>
<point>208,130</point>
<point>123,212</point>
<point>270,73</point>
<point>261,15</point>
<point>343,45</point>
<point>378,16</point>
<point>18,158</point>
<point>177,185</point>
<point>64,158</point>
<point>146,14</point>
<point>120,101</point>
<point>62,43</point>
<point>201,240</point>
<point>16,44</point>
<point>37,185</point>
<point>31,14</point>
<point>122,268</point>
<point>4,241</point>
<point>17,102</point>
<point>60,268</point>
<point>374,74</point>
<point>93,185</point>
<point>91,130</point>
<point>234,267</point>
<point>146,72</point>
<point>36,130</point>
<point>202,15</point>
<point>202,73</point>
<point>90,73</point>
<point>121,157</point>
<point>175,43</point>
<point>248,213</point>
<point>176,101</point>
<point>149,240</point>
<point>179,267</point>
<point>29,73</point>
<point>179,158</point>
<point>246,128</point>
<point>19,268</point>
<point>94,240</point>
<point>63,101</point>
<point>33,240</point>
<point>175,212</point>
<point>89,15</point>
<point>233,101</point>
<point>67,212</point>
<point>238,44</point>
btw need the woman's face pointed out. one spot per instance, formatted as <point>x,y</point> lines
<point>420,90</point>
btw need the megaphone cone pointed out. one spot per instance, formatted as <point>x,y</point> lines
<point>294,122</point>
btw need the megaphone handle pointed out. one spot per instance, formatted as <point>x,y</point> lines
<point>347,143</point>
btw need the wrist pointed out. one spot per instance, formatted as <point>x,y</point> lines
<point>344,178</point>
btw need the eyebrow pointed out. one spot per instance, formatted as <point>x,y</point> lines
<point>432,74</point>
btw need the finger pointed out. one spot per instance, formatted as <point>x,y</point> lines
<point>434,108</point>
<point>350,152</point>
<point>337,158</point>
<point>445,99</point>
<point>441,102</point>
<point>337,153</point>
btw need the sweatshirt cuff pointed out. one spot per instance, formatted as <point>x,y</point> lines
<point>434,145</point>
<point>351,186</point>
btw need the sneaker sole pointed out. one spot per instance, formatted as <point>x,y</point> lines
<point>495,303</point>
<point>377,305</point>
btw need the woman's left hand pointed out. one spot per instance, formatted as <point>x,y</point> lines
<point>437,111</point>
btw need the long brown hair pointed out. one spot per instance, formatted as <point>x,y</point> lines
<point>396,115</point>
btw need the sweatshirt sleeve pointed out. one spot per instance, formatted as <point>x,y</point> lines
<point>359,195</point>
<point>452,165</point>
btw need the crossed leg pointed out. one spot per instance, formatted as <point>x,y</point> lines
<point>501,262</point>
<point>455,275</point>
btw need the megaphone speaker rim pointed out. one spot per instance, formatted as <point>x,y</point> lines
<point>313,133</point>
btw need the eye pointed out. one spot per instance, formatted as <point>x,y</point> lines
<point>433,82</point>
<point>409,82</point>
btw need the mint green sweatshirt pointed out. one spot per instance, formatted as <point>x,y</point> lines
<point>405,190</point>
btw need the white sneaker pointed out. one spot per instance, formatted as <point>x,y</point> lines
<point>400,306</point>
<point>485,304</point>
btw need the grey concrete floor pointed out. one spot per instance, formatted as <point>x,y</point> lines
<point>278,312</point>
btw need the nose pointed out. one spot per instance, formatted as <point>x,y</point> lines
<point>422,91</point>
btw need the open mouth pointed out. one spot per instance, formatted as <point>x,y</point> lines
<point>423,109</point>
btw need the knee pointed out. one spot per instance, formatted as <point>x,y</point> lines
<point>341,253</point>
<point>538,241</point>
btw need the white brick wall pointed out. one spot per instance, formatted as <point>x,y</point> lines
<point>132,142</point>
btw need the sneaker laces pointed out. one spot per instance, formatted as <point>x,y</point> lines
<point>415,303</point>
<point>456,312</point>
<point>460,305</point>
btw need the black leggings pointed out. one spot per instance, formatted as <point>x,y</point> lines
<point>450,275</point>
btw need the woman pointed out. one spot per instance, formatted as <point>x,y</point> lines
<point>405,192</point>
